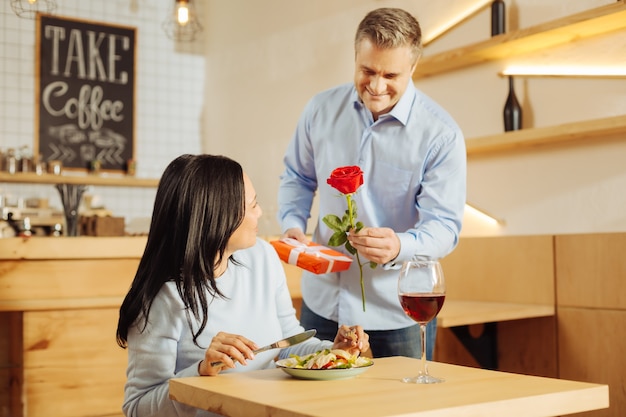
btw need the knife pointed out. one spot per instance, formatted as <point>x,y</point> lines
<point>289,341</point>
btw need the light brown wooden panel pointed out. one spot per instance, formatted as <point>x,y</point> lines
<point>528,347</point>
<point>72,364</point>
<point>94,392</point>
<point>72,247</point>
<point>517,269</point>
<point>22,280</point>
<point>523,346</point>
<point>449,349</point>
<point>591,270</point>
<point>592,349</point>
<point>294,275</point>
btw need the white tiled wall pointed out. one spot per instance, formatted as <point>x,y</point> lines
<point>169,94</point>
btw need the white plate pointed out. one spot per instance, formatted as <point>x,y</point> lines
<point>323,374</point>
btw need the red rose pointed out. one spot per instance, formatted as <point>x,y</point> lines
<point>346,179</point>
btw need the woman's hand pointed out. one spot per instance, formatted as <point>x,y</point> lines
<point>352,339</point>
<point>226,348</point>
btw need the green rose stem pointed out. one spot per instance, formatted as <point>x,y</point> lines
<point>358,259</point>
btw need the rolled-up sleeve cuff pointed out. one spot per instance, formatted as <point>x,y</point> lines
<point>292,223</point>
<point>407,243</point>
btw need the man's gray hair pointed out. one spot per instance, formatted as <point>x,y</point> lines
<point>389,27</point>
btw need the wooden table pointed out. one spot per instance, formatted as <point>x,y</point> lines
<point>379,392</point>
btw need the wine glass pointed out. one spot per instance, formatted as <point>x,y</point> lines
<point>422,291</point>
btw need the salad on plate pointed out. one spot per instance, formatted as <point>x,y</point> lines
<point>326,359</point>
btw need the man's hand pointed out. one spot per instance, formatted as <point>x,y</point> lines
<point>378,244</point>
<point>296,233</point>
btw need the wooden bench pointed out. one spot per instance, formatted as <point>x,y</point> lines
<point>489,281</point>
<point>454,312</point>
<point>500,296</point>
<point>464,313</point>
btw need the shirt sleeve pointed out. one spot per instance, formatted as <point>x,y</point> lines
<point>440,203</point>
<point>147,388</point>
<point>298,181</point>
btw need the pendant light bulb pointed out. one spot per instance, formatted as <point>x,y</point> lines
<point>182,23</point>
<point>28,9</point>
<point>182,13</point>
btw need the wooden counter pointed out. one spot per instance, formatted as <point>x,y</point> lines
<point>59,305</point>
<point>45,273</point>
<point>60,299</point>
<point>81,247</point>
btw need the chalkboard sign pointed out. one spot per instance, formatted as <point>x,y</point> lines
<point>85,93</point>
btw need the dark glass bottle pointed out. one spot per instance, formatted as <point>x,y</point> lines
<point>512,110</point>
<point>498,17</point>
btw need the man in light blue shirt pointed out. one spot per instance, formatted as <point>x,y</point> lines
<point>412,154</point>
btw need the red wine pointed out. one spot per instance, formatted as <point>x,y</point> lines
<point>422,307</point>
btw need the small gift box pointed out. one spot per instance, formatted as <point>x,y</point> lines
<point>312,257</point>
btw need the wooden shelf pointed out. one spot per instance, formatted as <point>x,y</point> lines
<point>101,180</point>
<point>532,138</point>
<point>572,28</point>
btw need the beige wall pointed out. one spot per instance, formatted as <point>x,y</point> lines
<point>266,59</point>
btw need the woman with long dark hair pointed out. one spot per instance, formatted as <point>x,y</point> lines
<point>207,289</point>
